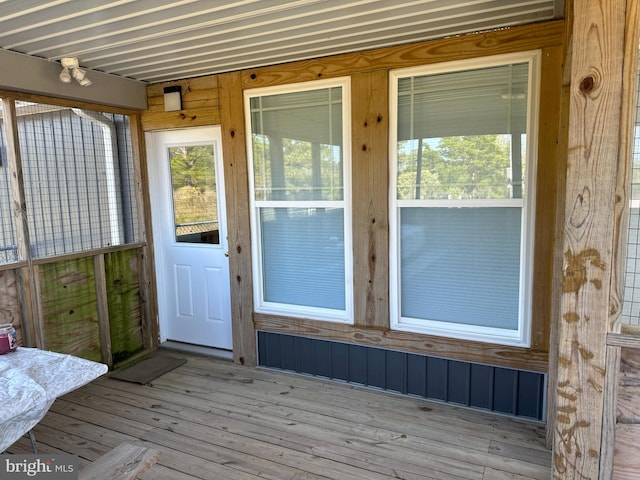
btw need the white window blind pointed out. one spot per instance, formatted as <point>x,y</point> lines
<point>300,204</point>
<point>464,162</point>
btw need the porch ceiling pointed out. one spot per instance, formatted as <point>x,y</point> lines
<point>160,41</point>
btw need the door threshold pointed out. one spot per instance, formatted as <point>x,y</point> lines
<point>197,349</point>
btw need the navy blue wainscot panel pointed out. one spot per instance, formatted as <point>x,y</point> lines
<point>498,389</point>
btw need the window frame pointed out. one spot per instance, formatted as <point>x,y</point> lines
<point>292,310</point>
<point>522,336</point>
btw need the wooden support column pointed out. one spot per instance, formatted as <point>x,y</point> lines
<point>370,172</point>
<point>33,330</point>
<point>593,164</point>
<point>103,310</point>
<point>148,284</point>
<point>238,224</point>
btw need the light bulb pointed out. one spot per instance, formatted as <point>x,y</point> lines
<point>80,76</point>
<point>65,76</point>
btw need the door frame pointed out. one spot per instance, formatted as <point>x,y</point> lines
<point>159,176</point>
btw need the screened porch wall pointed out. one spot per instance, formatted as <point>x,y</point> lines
<point>78,284</point>
<point>631,303</point>
<point>78,187</point>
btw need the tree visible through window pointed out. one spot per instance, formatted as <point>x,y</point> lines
<point>461,220</point>
<point>300,217</point>
<point>195,198</point>
<point>465,167</point>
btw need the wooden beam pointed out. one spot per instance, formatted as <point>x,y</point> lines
<point>148,284</point>
<point>593,164</point>
<point>200,117</point>
<point>27,286</point>
<point>370,206</point>
<point>609,412</point>
<point>613,437</point>
<point>238,224</point>
<point>10,310</point>
<point>557,241</point>
<point>31,74</point>
<point>453,348</point>
<point>627,137</point>
<point>103,309</point>
<point>515,39</point>
<point>551,162</point>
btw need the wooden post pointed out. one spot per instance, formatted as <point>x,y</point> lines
<point>103,309</point>
<point>148,284</point>
<point>620,235</point>
<point>370,183</point>
<point>238,224</point>
<point>593,164</point>
<point>33,329</point>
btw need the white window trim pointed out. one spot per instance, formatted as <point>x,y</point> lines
<point>522,336</point>
<point>299,311</point>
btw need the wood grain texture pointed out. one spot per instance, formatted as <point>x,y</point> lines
<point>556,280</point>
<point>594,125</point>
<point>146,257</point>
<point>368,71</point>
<point>27,289</point>
<point>238,224</point>
<point>627,452</point>
<point>124,462</point>
<point>199,117</point>
<point>628,404</point>
<point>213,419</point>
<point>199,92</point>
<point>624,340</point>
<point>498,355</point>
<point>10,311</point>
<point>627,136</point>
<point>370,210</point>
<point>123,287</point>
<point>514,39</point>
<point>30,283</point>
<point>549,168</point>
<point>103,310</point>
<point>70,309</point>
<point>609,414</point>
<point>200,105</point>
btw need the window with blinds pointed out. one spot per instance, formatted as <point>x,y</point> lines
<point>300,213</point>
<point>462,201</point>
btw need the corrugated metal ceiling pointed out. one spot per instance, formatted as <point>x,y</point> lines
<point>157,41</point>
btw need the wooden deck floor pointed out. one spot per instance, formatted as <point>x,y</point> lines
<point>212,419</point>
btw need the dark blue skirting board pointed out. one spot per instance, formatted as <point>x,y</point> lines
<point>516,393</point>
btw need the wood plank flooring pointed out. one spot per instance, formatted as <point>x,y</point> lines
<point>212,419</point>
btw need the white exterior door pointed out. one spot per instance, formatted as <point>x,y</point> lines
<point>190,236</point>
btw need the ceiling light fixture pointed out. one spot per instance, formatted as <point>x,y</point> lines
<point>71,69</point>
